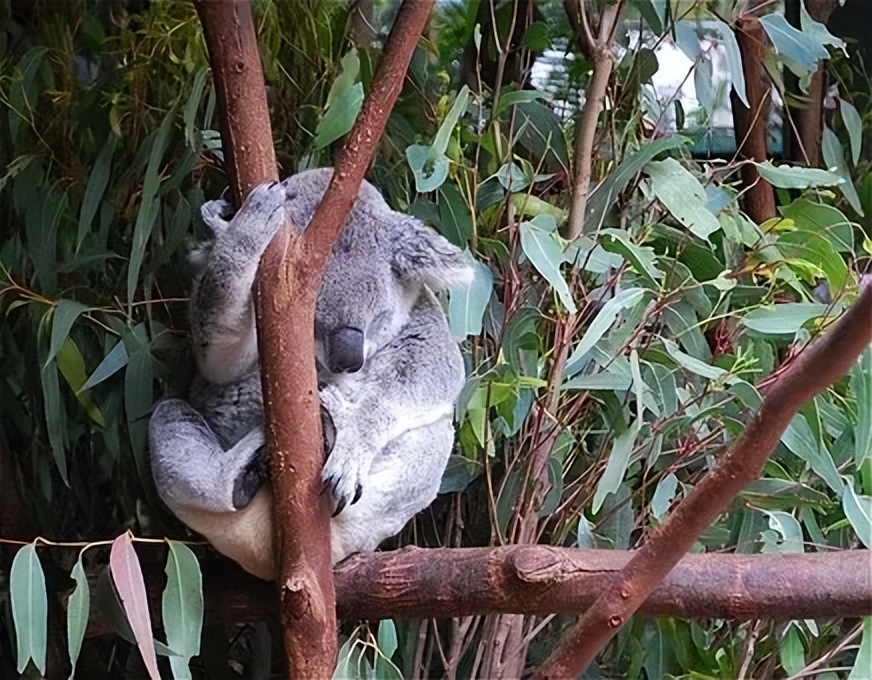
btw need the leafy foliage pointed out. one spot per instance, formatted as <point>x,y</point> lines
<point>605,374</point>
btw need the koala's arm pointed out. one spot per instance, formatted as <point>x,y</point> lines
<point>222,310</point>
<point>411,383</point>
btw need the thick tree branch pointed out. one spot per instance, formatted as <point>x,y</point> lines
<point>290,275</point>
<point>540,580</point>
<point>817,367</point>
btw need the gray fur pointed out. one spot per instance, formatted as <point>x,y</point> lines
<point>392,418</point>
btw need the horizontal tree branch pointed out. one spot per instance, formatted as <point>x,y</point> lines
<point>453,582</point>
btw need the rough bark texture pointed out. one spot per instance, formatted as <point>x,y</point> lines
<point>751,122</point>
<point>455,582</point>
<point>246,134</point>
<point>817,367</point>
<point>290,274</point>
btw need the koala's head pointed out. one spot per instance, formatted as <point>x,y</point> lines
<point>374,277</point>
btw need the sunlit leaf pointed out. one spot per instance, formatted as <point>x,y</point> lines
<point>796,177</point>
<point>616,467</point>
<point>340,117</point>
<point>858,510</point>
<point>683,196</point>
<point>785,319</point>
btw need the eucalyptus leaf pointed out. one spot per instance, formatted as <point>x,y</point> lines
<point>467,303</point>
<point>29,607</point>
<point>78,608</point>
<point>545,253</point>
<point>854,126</point>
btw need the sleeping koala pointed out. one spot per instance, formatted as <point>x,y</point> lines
<point>388,368</point>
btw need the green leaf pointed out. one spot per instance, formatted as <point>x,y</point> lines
<point>97,183</point>
<point>854,126</point>
<point>795,177</point>
<point>863,662</point>
<point>455,220</point>
<point>138,394</point>
<point>467,303</point>
<point>127,577</point>
<point>182,607</point>
<point>858,510</point>
<point>387,637</point>
<point>55,418</point>
<point>65,314</point>
<point>734,58</point>
<point>458,108</point>
<point>340,117</point>
<point>861,389</point>
<point>801,441</point>
<point>787,526</point>
<point>784,319</point>
<point>540,245</point>
<point>826,220</point>
<point>189,114</point>
<point>791,652</point>
<point>538,37</point>
<point>604,196</point>
<point>430,170</point>
<point>627,298</point>
<point>149,205</point>
<point>642,258</point>
<point>78,608</point>
<point>663,495</point>
<point>834,158</point>
<point>539,131</point>
<point>801,51</point>
<point>527,205</point>
<point>350,69</point>
<point>616,467</point>
<point>114,361</point>
<point>72,366</point>
<point>29,607</point>
<point>683,196</point>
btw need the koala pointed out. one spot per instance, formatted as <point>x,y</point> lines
<point>389,374</point>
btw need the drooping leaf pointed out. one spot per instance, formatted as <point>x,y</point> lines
<point>349,71</point>
<point>65,314</point>
<point>29,607</point>
<point>540,245</point>
<point>455,220</point>
<point>858,510</point>
<point>663,495</point>
<point>189,114</point>
<point>629,297</point>
<point>72,367</point>
<point>127,577</point>
<point>834,157</point>
<point>854,126</point>
<point>616,467</point>
<point>78,608</point>
<point>55,417</point>
<point>467,303</point>
<point>791,652</point>
<point>97,183</point>
<point>801,51</point>
<point>788,528</point>
<point>150,204</point>
<point>863,662</point>
<point>113,362</point>
<point>734,58</point>
<point>683,196</point>
<point>387,637</point>
<point>642,258</point>
<point>182,607</point>
<point>861,389</point>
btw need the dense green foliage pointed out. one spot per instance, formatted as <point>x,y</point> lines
<point>605,375</point>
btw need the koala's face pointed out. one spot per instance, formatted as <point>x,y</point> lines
<point>361,306</point>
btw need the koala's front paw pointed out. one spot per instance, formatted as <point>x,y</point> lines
<point>261,216</point>
<point>216,215</point>
<point>349,461</point>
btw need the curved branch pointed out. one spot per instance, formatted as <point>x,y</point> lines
<point>817,367</point>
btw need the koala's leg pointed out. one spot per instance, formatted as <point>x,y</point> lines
<point>222,314</point>
<point>404,479</point>
<point>191,470</point>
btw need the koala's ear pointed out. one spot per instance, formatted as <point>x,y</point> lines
<point>422,255</point>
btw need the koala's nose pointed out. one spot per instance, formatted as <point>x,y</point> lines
<point>345,350</point>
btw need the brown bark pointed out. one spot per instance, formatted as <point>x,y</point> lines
<point>751,122</point>
<point>804,129</point>
<point>599,51</point>
<point>539,580</point>
<point>817,367</point>
<point>290,275</point>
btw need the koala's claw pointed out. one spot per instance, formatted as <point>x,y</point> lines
<point>216,214</point>
<point>357,494</point>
